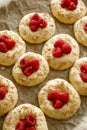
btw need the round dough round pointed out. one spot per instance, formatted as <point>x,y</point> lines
<point>42,34</point>
<point>66,61</point>
<point>10,57</point>
<point>11,97</point>
<point>20,112</point>
<point>80,33</point>
<point>68,109</point>
<point>35,78</point>
<point>67,16</point>
<point>75,79</point>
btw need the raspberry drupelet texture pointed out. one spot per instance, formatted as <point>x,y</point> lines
<point>61,48</point>
<point>69,4</point>
<point>83,73</point>
<point>36,21</point>
<point>29,66</point>
<point>27,123</point>
<point>3,92</point>
<point>58,99</point>
<point>6,44</point>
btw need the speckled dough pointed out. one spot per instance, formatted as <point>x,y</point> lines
<point>68,109</point>
<point>11,98</point>
<point>80,33</point>
<point>37,77</point>
<point>40,35</point>
<point>66,61</point>
<point>67,16</point>
<point>21,111</point>
<point>10,57</point>
<point>75,79</point>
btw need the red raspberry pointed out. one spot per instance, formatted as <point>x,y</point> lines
<point>33,28</point>
<point>75,1</point>
<point>3,92</point>
<point>65,3</point>
<point>83,68</point>
<point>30,128</point>
<point>57,104</point>
<point>24,63</point>
<point>10,44</point>
<point>3,38</point>
<point>72,6</point>
<point>53,95</point>
<point>3,48</point>
<point>30,120</point>
<point>66,48</point>
<point>57,52</point>
<point>42,23</point>
<point>28,67</point>
<point>20,126</point>
<point>58,43</point>
<point>33,25</point>
<point>64,97</point>
<point>85,27</point>
<point>28,71</point>
<point>35,64</point>
<point>23,120</point>
<point>83,77</point>
<point>35,17</point>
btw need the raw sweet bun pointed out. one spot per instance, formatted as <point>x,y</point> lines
<point>8,95</point>
<point>61,51</point>
<point>78,76</point>
<point>25,116</point>
<point>30,69</point>
<point>11,47</point>
<point>67,13</point>
<point>58,99</point>
<point>36,28</point>
<point>80,31</point>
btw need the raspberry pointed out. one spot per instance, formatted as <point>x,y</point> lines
<point>36,21</point>
<point>24,63</point>
<point>20,126</point>
<point>3,92</point>
<point>33,25</point>
<point>83,77</point>
<point>57,52</point>
<point>69,4</point>
<point>35,64</point>
<point>10,44</point>
<point>33,28</point>
<point>42,23</point>
<point>72,6</point>
<point>35,17</point>
<point>65,3</point>
<point>83,68</point>
<point>28,71</point>
<point>3,38</point>
<point>64,97</point>
<point>53,95</point>
<point>57,104</point>
<point>30,128</point>
<point>3,48</point>
<point>75,1</point>
<point>66,48</point>
<point>30,120</point>
<point>85,27</point>
<point>58,43</point>
<point>28,67</point>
